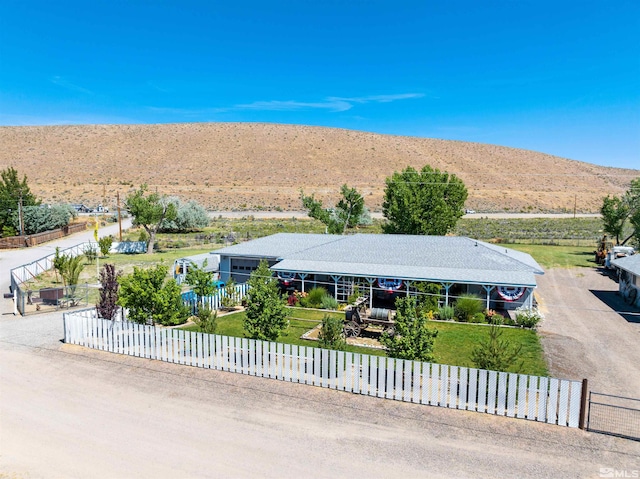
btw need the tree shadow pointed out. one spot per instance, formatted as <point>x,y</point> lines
<point>613,299</point>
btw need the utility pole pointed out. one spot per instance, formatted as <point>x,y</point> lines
<point>575,202</point>
<point>20,217</point>
<point>119,216</point>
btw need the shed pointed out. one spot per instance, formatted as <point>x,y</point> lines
<point>181,265</point>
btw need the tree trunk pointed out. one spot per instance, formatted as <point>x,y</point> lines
<point>151,242</point>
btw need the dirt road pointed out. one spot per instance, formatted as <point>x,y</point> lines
<point>67,411</point>
<point>589,332</point>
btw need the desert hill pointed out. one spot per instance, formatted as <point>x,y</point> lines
<point>256,166</point>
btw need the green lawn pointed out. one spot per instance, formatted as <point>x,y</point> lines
<point>559,256</point>
<point>453,345</point>
<point>455,342</point>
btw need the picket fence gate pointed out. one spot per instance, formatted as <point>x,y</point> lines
<point>550,400</point>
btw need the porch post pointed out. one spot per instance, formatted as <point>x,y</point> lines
<point>370,281</point>
<point>446,292</point>
<point>335,290</point>
<point>302,277</point>
<point>408,283</point>
<point>488,290</point>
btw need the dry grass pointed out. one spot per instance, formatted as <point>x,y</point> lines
<point>263,166</point>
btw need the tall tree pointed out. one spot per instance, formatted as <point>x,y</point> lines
<point>412,338</point>
<point>266,313</point>
<point>348,213</point>
<point>107,304</point>
<point>618,211</point>
<point>150,297</point>
<point>149,212</point>
<point>425,202</point>
<point>12,192</point>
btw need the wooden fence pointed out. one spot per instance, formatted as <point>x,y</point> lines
<point>554,401</point>
<point>38,238</point>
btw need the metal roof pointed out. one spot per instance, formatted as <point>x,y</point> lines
<point>430,258</point>
<point>278,246</point>
<point>628,263</point>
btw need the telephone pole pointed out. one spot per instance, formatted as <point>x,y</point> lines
<point>20,217</point>
<point>119,216</point>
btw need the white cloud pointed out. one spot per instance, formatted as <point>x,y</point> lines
<point>334,104</point>
<point>64,83</point>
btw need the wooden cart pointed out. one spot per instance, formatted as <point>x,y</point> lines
<point>358,317</point>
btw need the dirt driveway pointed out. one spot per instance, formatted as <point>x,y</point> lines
<point>589,332</point>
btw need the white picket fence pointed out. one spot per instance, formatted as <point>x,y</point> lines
<point>554,401</point>
<point>214,302</point>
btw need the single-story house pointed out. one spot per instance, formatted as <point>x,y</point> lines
<point>385,266</point>
<point>629,278</point>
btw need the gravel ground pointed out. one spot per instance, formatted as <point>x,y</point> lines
<point>589,332</point>
<point>66,411</point>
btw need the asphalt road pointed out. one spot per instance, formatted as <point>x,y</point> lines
<point>67,411</point>
<point>378,215</point>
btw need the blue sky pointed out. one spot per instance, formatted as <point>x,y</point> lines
<point>560,77</point>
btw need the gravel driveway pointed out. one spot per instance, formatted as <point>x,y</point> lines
<point>589,332</point>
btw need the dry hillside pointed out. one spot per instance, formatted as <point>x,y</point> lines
<point>261,166</point>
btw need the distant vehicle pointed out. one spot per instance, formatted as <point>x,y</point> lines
<point>81,208</point>
<point>469,212</point>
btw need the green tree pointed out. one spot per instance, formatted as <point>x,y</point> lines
<point>428,202</point>
<point>200,280</point>
<point>266,313</point>
<point>149,211</point>
<point>330,335</point>
<point>190,216</point>
<point>70,272</point>
<point>104,244</point>
<point>13,191</point>
<point>412,338</point>
<point>496,353</point>
<point>348,213</point>
<point>618,211</point>
<point>40,218</point>
<point>151,297</point>
<point>206,320</point>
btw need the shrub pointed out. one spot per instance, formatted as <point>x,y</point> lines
<point>478,318</point>
<point>105,245</point>
<point>314,297</point>
<point>467,306</point>
<point>354,296</point>
<point>328,302</point>
<point>528,318</point>
<point>446,313</point>
<point>206,320</point>
<point>331,336</point>
<point>493,317</point>
<point>90,253</point>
